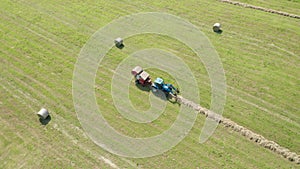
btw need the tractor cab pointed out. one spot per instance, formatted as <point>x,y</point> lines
<point>158,83</point>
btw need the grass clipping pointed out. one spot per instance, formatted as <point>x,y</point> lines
<point>271,145</point>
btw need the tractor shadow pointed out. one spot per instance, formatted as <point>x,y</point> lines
<point>143,88</point>
<point>121,46</point>
<point>45,121</point>
<point>163,97</point>
<point>219,31</point>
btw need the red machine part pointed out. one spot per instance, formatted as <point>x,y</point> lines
<point>141,76</point>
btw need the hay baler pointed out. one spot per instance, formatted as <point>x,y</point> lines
<point>141,76</point>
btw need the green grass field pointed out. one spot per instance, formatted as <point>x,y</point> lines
<point>41,41</point>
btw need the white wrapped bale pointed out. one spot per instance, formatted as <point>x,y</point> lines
<point>217,27</point>
<point>43,113</point>
<point>119,42</point>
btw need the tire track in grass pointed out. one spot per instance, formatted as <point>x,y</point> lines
<point>32,100</point>
<point>46,11</point>
<point>264,47</point>
<point>252,48</point>
<point>210,149</point>
<point>272,113</point>
<point>262,101</point>
<point>61,11</point>
<point>7,151</point>
<point>64,132</point>
<point>44,97</point>
<point>37,30</point>
<point>282,49</point>
<point>19,60</point>
<point>49,39</point>
<point>110,163</point>
<point>42,86</point>
<point>293,78</point>
<point>278,115</point>
<point>12,90</point>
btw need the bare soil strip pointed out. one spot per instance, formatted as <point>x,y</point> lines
<point>261,8</point>
<point>271,145</point>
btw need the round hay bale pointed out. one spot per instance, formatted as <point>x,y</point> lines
<point>43,113</point>
<point>119,42</point>
<point>217,27</point>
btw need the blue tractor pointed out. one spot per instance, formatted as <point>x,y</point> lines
<point>168,89</point>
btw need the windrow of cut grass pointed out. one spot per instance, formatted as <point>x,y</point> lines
<point>268,144</point>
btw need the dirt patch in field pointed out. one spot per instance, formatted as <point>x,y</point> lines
<point>262,141</point>
<point>261,8</point>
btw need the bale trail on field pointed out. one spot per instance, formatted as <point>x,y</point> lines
<point>261,8</point>
<point>284,152</point>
